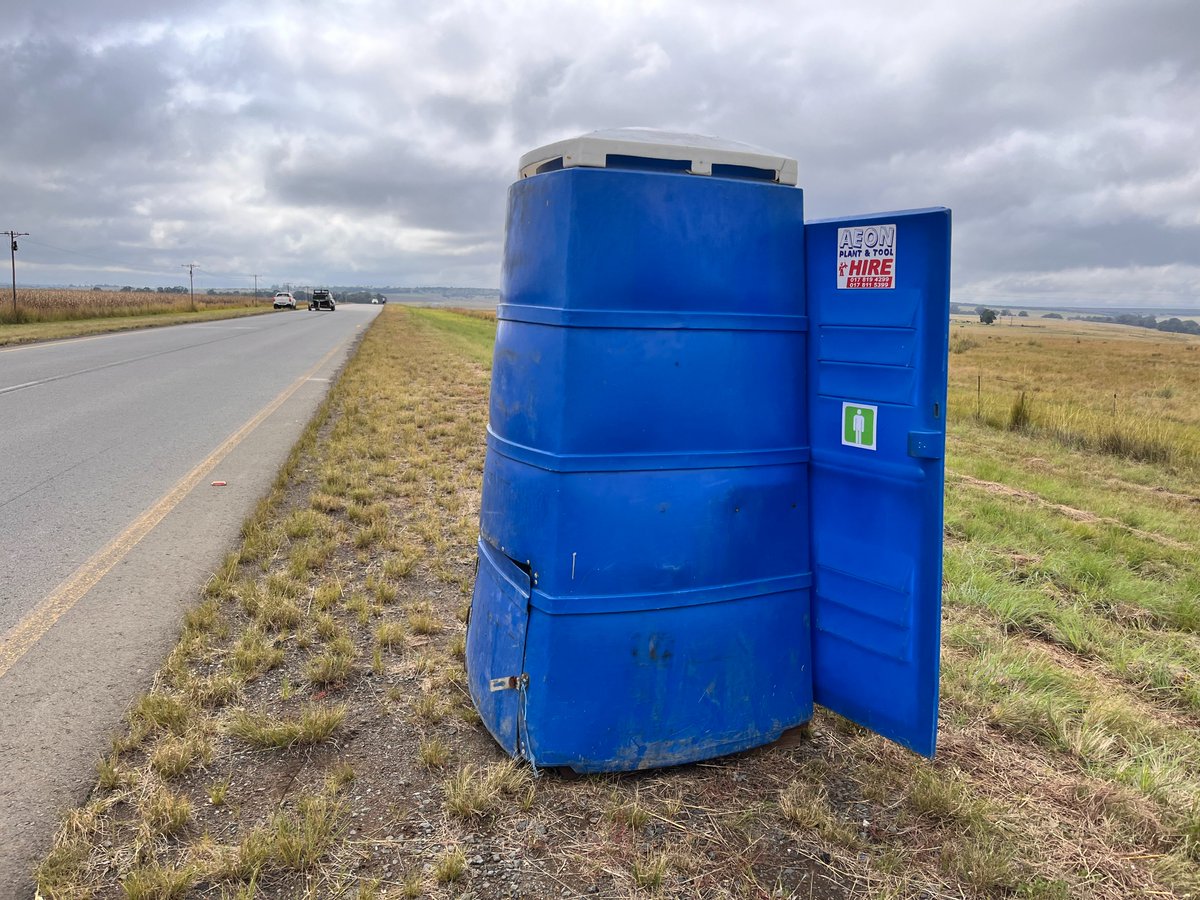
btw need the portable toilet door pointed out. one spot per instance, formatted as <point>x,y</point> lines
<point>878,292</point>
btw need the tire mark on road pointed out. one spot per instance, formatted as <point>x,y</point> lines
<point>58,474</point>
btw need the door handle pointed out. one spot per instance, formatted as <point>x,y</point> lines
<point>926,444</point>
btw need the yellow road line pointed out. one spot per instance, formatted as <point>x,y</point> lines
<point>22,636</point>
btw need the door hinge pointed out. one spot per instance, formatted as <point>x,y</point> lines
<point>509,683</point>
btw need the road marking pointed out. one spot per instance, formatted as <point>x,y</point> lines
<point>26,633</point>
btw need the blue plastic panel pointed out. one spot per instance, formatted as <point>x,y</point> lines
<point>877,513</point>
<point>624,240</point>
<point>659,687</point>
<point>627,395</point>
<point>496,643</point>
<point>620,532</point>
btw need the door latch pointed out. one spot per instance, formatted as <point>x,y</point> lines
<point>509,683</point>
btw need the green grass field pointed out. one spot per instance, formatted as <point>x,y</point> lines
<point>311,735</point>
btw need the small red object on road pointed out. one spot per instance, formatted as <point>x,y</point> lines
<point>218,484</point>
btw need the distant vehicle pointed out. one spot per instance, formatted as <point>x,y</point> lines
<point>322,299</point>
<point>375,300</point>
<point>284,299</point>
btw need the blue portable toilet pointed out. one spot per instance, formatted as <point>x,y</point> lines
<point>713,485</point>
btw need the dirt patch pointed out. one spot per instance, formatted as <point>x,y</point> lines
<point>1070,512</point>
<point>1175,497</point>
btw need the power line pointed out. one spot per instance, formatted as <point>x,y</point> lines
<point>12,236</point>
<point>108,262</point>
<point>130,267</point>
<point>120,264</point>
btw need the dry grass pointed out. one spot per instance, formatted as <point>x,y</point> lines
<point>1128,392</point>
<point>421,620</point>
<point>475,791</point>
<point>487,315</point>
<point>173,756</point>
<point>312,725</point>
<point>255,654</point>
<point>156,882</point>
<point>165,813</point>
<point>390,634</point>
<point>333,665</point>
<point>46,305</point>
<point>434,753</point>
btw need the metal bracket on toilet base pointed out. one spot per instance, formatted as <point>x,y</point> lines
<point>509,683</point>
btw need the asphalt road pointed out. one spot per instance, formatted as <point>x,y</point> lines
<point>110,524</point>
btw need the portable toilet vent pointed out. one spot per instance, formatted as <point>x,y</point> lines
<point>713,484</point>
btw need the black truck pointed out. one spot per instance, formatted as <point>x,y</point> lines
<point>322,299</point>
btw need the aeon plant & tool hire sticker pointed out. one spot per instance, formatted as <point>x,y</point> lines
<point>866,257</point>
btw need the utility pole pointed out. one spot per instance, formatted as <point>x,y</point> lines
<point>191,267</point>
<point>256,290</point>
<point>12,236</point>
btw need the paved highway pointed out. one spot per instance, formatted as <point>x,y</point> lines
<point>109,523</point>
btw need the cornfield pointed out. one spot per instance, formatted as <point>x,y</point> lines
<point>44,305</point>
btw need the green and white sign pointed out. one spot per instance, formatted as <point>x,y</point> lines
<point>858,425</point>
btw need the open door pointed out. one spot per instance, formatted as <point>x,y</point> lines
<point>878,291</point>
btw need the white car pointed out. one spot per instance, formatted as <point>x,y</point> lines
<point>284,299</point>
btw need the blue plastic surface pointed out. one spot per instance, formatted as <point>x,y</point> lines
<point>877,514</point>
<point>647,464</point>
<point>649,520</point>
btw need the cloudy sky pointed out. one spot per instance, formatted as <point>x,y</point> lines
<point>371,141</point>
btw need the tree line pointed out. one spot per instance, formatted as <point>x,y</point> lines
<point>988,316</point>
<point>1173,324</point>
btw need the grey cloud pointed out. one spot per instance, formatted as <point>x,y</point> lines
<point>464,117</point>
<point>78,17</point>
<point>1136,242</point>
<point>69,104</point>
<point>386,176</point>
<point>1116,33</point>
